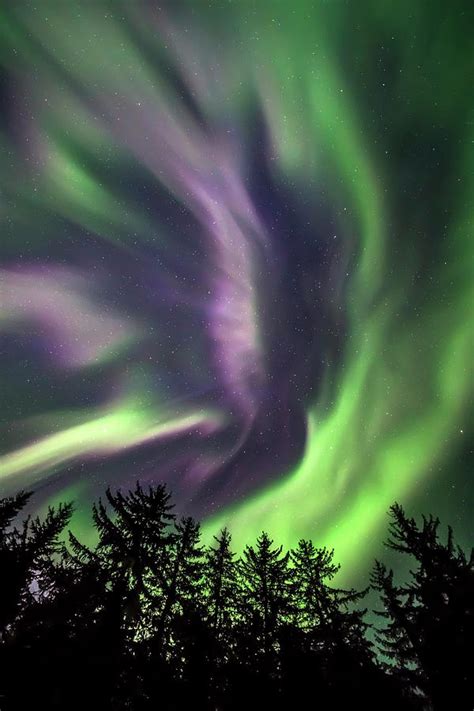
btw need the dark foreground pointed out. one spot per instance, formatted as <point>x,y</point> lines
<point>151,619</point>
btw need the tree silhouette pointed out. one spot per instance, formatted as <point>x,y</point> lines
<point>223,604</point>
<point>183,613</point>
<point>29,555</point>
<point>332,650</point>
<point>13,561</point>
<point>430,619</point>
<point>134,557</point>
<point>150,618</point>
<point>221,584</point>
<point>265,601</point>
<point>24,552</point>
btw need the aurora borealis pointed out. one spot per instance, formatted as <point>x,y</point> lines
<point>237,256</point>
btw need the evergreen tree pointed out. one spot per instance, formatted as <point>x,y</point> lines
<point>189,639</point>
<point>10,507</point>
<point>28,554</point>
<point>24,552</point>
<point>130,561</point>
<point>265,608</point>
<point>152,619</point>
<point>221,584</point>
<point>429,631</point>
<point>178,578</point>
<point>222,593</point>
<point>13,562</point>
<point>134,543</point>
<point>331,628</point>
<point>326,613</point>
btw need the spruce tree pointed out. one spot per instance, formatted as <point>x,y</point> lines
<point>221,584</point>
<point>222,598</point>
<point>266,601</point>
<point>429,621</point>
<point>29,553</point>
<point>24,552</point>
<point>330,626</point>
<point>130,561</point>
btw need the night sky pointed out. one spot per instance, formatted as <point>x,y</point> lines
<point>237,256</point>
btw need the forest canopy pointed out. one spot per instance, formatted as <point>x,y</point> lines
<point>152,618</point>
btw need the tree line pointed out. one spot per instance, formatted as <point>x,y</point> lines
<point>150,618</point>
